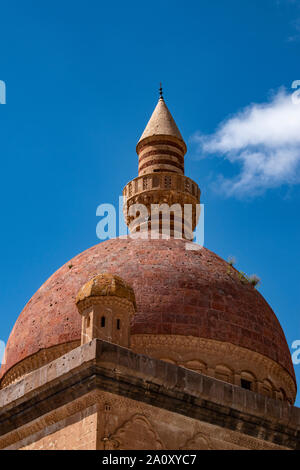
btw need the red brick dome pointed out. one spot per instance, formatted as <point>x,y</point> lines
<point>178,291</point>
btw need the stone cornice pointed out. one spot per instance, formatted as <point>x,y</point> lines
<point>201,346</point>
<point>109,301</point>
<point>35,361</point>
<point>104,366</point>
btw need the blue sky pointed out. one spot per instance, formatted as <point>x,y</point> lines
<point>82,80</point>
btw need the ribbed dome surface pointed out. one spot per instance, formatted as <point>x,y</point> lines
<point>178,291</point>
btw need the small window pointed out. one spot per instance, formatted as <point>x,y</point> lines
<point>88,322</point>
<point>246,384</point>
<point>118,324</point>
<point>102,322</point>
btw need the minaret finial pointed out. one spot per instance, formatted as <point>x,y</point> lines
<point>160,92</point>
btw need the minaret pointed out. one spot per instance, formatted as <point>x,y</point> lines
<point>161,181</point>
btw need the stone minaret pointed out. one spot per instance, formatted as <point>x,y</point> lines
<point>161,181</point>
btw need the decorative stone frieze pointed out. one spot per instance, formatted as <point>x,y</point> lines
<point>222,360</point>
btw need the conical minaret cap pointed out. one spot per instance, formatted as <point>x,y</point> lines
<point>161,123</point>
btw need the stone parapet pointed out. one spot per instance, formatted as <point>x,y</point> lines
<point>174,191</point>
<point>106,367</point>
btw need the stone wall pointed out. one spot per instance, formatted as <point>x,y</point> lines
<point>103,396</point>
<point>119,423</point>
<point>76,432</point>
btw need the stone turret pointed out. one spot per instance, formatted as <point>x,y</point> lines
<point>106,304</point>
<point>161,186</point>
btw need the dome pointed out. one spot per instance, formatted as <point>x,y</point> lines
<point>105,284</point>
<point>179,292</point>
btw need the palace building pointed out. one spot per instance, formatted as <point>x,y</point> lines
<point>146,342</point>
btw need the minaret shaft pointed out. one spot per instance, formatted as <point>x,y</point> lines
<point>159,154</point>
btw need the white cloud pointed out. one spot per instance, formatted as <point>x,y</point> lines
<point>264,140</point>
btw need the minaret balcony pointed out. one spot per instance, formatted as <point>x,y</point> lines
<point>162,181</point>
